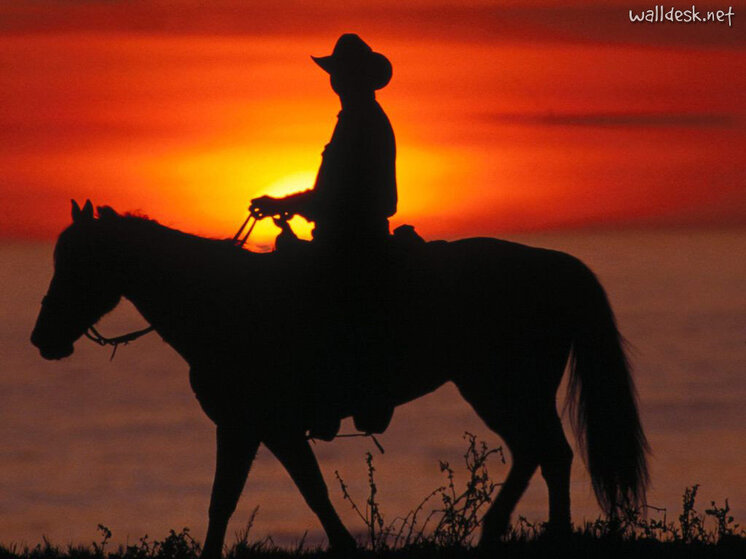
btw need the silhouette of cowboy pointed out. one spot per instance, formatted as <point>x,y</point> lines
<point>355,190</point>
<point>350,205</point>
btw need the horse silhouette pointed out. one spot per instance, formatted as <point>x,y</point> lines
<point>500,320</point>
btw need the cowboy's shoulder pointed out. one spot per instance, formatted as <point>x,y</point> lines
<point>380,116</point>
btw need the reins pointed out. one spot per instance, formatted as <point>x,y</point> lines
<point>241,241</point>
<point>96,337</point>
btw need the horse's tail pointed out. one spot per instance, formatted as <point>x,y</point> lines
<point>602,402</point>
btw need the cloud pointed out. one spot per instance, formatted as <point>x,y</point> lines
<point>533,22</point>
<point>635,120</point>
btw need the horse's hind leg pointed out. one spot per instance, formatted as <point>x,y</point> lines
<point>236,451</point>
<point>513,411</point>
<point>294,452</point>
<point>556,462</point>
<point>497,519</point>
<point>524,463</point>
<point>534,439</point>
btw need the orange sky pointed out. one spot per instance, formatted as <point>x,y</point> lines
<point>508,115</point>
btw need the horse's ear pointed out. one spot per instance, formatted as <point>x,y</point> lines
<point>87,211</point>
<point>75,211</point>
<point>106,212</point>
<point>86,214</point>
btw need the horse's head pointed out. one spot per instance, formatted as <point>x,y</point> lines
<point>84,286</point>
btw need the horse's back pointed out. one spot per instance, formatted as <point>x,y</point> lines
<point>480,250</point>
<point>504,272</point>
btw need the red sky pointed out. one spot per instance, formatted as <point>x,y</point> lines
<point>508,115</point>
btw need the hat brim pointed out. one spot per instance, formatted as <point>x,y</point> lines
<point>326,63</point>
<point>376,68</point>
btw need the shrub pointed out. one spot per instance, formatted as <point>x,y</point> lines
<point>453,523</point>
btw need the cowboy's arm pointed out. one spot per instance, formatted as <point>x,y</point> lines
<point>300,203</point>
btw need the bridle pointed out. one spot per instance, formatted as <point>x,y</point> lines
<point>95,336</point>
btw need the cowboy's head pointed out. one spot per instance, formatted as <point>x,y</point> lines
<point>354,67</point>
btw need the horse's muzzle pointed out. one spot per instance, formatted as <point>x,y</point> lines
<point>56,353</point>
<point>51,351</point>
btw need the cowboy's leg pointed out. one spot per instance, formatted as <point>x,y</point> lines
<point>376,348</point>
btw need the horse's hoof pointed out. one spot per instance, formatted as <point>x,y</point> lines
<point>487,550</point>
<point>343,547</point>
<point>491,539</point>
<point>559,533</point>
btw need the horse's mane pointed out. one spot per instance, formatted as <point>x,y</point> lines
<point>141,222</point>
<point>135,225</point>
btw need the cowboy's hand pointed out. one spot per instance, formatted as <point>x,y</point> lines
<point>265,206</point>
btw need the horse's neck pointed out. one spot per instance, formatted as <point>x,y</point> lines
<point>169,273</point>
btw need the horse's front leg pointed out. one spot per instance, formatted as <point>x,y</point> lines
<point>294,452</point>
<point>236,451</point>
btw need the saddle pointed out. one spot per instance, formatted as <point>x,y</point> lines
<point>404,237</point>
<point>374,408</point>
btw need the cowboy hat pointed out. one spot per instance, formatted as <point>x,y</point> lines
<point>353,57</point>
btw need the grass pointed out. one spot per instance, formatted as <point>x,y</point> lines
<point>445,525</point>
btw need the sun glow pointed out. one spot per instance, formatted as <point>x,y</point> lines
<point>233,177</point>
<point>289,184</point>
<point>492,136</point>
<point>213,186</point>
